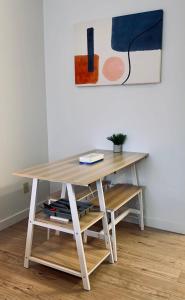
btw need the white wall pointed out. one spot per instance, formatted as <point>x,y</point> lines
<point>23,127</point>
<point>152,115</point>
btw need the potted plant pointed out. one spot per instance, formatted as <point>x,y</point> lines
<point>118,141</point>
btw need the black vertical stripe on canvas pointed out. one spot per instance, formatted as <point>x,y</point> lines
<point>90,49</point>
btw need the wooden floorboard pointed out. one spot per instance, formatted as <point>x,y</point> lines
<point>151,266</point>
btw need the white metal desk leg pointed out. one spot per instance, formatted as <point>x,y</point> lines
<point>113,237</point>
<point>48,230</point>
<point>134,175</point>
<point>30,223</point>
<point>78,237</point>
<point>105,223</point>
<point>140,196</point>
<point>63,194</point>
<point>85,237</point>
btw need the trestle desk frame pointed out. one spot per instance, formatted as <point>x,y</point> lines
<point>69,173</point>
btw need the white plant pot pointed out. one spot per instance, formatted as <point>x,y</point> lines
<point>117,148</point>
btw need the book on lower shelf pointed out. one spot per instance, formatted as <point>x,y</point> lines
<point>59,219</point>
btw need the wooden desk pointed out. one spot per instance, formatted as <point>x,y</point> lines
<point>61,254</point>
<point>70,171</point>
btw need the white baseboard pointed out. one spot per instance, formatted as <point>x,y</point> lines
<point>158,224</point>
<point>15,218</point>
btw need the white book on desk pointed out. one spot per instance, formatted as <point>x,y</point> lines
<point>91,158</point>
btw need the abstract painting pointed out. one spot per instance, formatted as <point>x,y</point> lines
<point>120,50</point>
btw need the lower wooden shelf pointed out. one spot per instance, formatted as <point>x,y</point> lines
<point>85,222</point>
<point>118,195</point>
<point>61,253</point>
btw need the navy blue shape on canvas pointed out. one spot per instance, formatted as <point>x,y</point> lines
<point>90,49</point>
<point>137,32</point>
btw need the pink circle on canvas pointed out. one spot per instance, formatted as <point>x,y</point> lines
<point>113,68</point>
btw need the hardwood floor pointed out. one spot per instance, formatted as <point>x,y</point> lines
<point>151,266</point>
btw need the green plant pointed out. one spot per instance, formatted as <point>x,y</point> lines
<point>117,139</point>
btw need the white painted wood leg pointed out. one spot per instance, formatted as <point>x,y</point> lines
<point>29,238</point>
<point>141,216</point>
<point>78,237</point>
<point>104,220</point>
<point>113,237</point>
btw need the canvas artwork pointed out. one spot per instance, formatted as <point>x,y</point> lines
<point>119,50</point>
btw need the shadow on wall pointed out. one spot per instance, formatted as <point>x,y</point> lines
<point>14,204</point>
